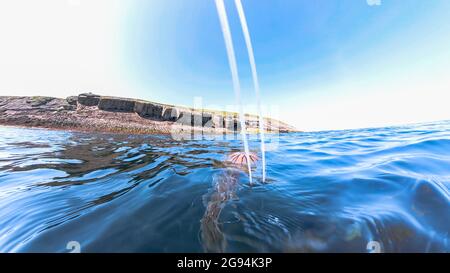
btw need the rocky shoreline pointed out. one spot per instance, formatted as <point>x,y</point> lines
<point>94,113</point>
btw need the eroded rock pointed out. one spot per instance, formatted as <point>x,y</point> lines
<point>148,110</point>
<point>39,101</point>
<point>171,113</point>
<point>232,123</point>
<point>185,118</point>
<point>88,99</point>
<point>206,118</point>
<point>116,104</point>
<point>217,121</point>
<point>72,100</point>
<point>64,113</point>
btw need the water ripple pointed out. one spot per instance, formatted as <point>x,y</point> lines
<point>330,191</point>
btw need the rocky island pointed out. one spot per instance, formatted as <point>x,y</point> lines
<point>94,113</point>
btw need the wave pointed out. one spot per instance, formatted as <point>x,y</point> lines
<point>335,191</point>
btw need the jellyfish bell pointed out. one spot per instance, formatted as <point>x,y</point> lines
<point>239,159</point>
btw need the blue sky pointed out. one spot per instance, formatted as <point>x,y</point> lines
<point>322,64</point>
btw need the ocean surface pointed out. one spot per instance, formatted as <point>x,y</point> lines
<point>368,190</point>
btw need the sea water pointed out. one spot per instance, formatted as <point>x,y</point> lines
<point>333,191</point>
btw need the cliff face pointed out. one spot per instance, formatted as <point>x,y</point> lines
<point>90,112</point>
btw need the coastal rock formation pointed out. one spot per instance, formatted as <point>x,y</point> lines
<point>171,113</point>
<point>72,100</point>
<point>39,101</point>
<point>90,112</point>
<point>148,109</point>
<point>186,118</point>
<point>88,99</point>
<point>213,120</point>
<point>232,123</point>
<point>116,104</point>
<point>206,118</point>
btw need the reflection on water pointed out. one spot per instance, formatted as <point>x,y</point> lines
<point>327,192</point>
